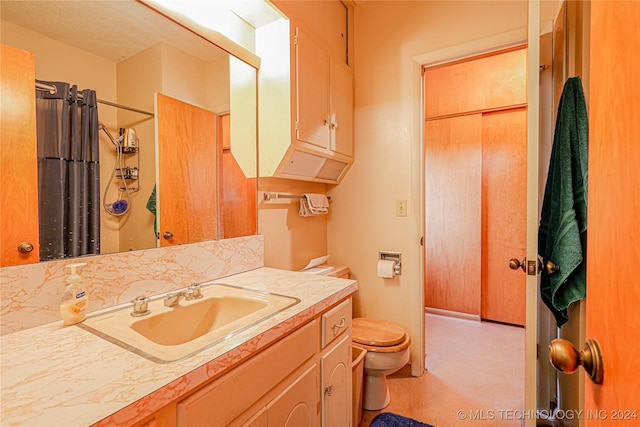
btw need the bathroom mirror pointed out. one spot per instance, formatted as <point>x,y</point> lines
<point>127,53</point>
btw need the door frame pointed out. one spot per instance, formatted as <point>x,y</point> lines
<point>529,35</point>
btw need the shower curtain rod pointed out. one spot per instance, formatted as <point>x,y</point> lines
<point>52,90</point>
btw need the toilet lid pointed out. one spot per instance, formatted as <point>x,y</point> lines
<point>376,332</point>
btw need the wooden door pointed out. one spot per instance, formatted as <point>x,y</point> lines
<point>453,166</point>
<point>613,242</point>
<point>18,158</point>
<point>186,172</point>
<point>237,201</point>
<point>504,202</point>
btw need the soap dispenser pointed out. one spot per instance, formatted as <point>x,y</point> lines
<point>74,301</point>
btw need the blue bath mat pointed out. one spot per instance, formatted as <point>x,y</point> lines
<point>387,419</point>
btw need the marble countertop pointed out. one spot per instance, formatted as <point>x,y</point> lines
<point>53,375</point>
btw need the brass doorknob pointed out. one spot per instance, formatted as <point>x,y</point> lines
<point>25,247</point>
<point>550,267</point>
<point>515,263</point>
<point>566,358</point>
<point>167,235</point>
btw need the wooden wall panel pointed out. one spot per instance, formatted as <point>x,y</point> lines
<point>237,201</point>
<point>488,83</point>
<point>18,158</point>
<point>504,204</point>
<point>187,172</point>
<point>453,168</point>
<point>613,249</point>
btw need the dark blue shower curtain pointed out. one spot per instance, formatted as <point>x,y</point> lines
<point>68,172</point>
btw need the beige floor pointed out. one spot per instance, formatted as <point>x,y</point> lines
<point>474,370</point>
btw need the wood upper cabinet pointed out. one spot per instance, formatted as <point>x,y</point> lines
<point>305,92</point>
<point>490,82</point>
<point>19,178</point>
<point>324,110</point>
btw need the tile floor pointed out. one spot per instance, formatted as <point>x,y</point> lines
<point>474,370</point>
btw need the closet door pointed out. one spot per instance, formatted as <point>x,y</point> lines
<point>453,173</point>
<point>504,201</point>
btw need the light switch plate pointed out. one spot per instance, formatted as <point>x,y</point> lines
<point>401,208</point>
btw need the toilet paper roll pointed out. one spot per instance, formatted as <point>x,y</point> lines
<point>386,268</point>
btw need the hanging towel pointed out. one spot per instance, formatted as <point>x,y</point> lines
<point>562,234</point>
<point>313,204</point>
<point>151,207</point>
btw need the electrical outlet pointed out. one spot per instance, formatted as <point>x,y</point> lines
<point>401,208</point>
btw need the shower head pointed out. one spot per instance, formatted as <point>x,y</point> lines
<point>115,141</point>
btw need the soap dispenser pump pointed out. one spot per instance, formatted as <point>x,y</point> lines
<point>74,301</point>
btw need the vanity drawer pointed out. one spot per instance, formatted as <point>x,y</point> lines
<point>335,322</point>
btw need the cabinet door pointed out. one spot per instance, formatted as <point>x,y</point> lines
<point>336,384</point>
<point>297,405</point>
<point>258,420</point>
<point>341,101</point>
<point>19,179</point>
<point>312,85</point>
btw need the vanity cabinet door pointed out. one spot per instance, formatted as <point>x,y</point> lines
<point>297,405</point>
<point>336,384</point>
<point>236,392</point>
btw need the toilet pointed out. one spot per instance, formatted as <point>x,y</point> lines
<point>387,346</point>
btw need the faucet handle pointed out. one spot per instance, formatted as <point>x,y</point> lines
<point>195,291</point>
<point>140,306</point>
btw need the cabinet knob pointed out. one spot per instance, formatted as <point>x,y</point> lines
<point>329,390</point>
<point>167,235</point>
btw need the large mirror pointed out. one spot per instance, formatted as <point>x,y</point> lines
<point>138,61</point>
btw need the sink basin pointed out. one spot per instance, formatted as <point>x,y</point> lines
<point>169,334</point>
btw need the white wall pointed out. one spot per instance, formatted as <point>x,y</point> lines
<point>388,143</point>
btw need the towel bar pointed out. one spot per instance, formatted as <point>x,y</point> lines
<point>270,196</point>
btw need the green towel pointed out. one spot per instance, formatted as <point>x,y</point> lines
<point>151,207</point>
<point>562,235</point>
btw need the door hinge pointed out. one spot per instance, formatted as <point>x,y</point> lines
<point>295,40</point>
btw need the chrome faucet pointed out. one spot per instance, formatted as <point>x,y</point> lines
<point>191,293</point>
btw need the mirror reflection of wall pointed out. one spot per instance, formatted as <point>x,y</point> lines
<point>127,53</point>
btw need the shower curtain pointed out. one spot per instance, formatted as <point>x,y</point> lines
<point>68,172</point>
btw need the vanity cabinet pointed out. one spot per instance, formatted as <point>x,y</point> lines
<point>303,380</point>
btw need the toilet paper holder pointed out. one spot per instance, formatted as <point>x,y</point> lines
<point>392,256</point>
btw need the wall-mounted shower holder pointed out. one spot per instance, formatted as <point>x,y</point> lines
<point>392,256</point>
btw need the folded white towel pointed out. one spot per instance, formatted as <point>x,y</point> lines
<point>313,204</point>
